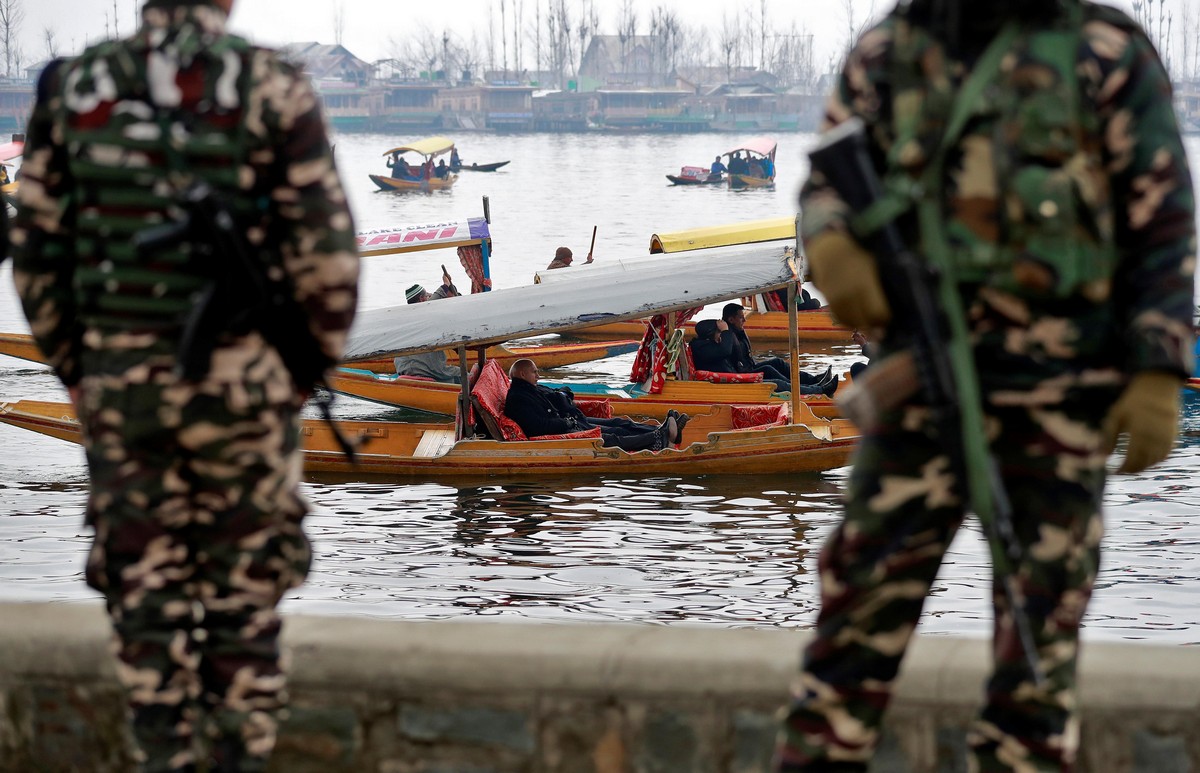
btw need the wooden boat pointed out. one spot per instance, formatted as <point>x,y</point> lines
<point>1192,384</point>
<point>712,444</point>
<point>427,149</point>
<point>550,355</point>
<point>695,175</point>
<point>766,328</point>
<point>566,305</point>
<point>761,148</point>
<point>478,167</point>
<point>20,346</point>
<point>723,439</point>
<point>687,396</point>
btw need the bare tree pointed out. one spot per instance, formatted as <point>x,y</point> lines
<point>12,13</point>
<point>339,21</point>
<point>558,39</point>
<point>665,29</point>
<point>792,58</point>
<point>627,23</point>
<point>728,42</point>
<point>589,27</point>
<point>51,42</point>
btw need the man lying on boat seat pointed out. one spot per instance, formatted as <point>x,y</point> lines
<point>774,369</point>
<point>432,365</point>
<point>713,350</point>
<point>539,410</point>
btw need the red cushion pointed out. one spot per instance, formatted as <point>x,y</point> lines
<point>488,394</point>
<point>597,409</point>
<point>717,377</point>
<point>747,416</point>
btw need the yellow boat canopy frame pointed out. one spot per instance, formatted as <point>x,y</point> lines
<point>751,232</point>
<point>430,147</point>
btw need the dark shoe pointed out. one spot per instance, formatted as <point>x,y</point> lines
<point>831,387</point>
<point>671,412</point>
<point>681,421</point>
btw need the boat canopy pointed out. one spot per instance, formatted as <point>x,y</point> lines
<point>633,288</point>
<point>413,238</point>
<point>763,146</point>
<point>430,147</point>
<point>724,235</point>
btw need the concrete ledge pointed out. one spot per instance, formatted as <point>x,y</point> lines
<point>488,696</point>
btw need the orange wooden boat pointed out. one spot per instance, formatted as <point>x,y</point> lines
<point>712,444</point>
<point>550,355</point>
<point>686,396</point>
<point>20,346</point>
<point>768,329</point>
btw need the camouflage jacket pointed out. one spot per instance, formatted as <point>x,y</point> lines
<point>1124,171</point>
<point>116,134</point>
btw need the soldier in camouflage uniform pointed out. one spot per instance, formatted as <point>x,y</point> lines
<point>1067,209</point>
<point>194,483</point>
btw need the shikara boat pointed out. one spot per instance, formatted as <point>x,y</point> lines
<point>9,153</point>
<point>478,167</point>
<point>576,301</point>
<point>724,439</point>
<point>423,179</point>
<point>550,355</point>
<point>766,327</point>
<point>758,149</point>
<point>712,444</point>
<point>696,175</point>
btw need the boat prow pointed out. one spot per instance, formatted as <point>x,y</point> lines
<point>396,184</point>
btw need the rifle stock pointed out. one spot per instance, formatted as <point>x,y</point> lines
<point>924,365</point>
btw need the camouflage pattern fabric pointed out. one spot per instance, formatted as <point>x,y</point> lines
<point>1062,309</point>
<point>194,494</point>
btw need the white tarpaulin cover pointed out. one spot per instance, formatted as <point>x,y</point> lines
<point>610,292</point>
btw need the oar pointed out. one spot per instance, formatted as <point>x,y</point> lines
<point>592,246</point>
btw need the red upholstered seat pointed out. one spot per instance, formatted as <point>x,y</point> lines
<point>487,398</point>
<point>759,416</point>
<point>600,408</point>
<point>719,378</point>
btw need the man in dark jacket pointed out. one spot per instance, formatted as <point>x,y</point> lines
<point>717,348</point>
<point>772,368</point>
<point>540,410</point>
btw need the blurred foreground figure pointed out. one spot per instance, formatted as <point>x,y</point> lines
<point>1029,151</point>
<point>157,169</point>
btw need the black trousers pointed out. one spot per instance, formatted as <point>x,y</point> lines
<point>626,434</point>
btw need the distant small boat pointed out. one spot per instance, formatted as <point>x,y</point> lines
<point>478,167</point>
<point>696,175</point>
<point>417,178</point>
<point>760,152</point>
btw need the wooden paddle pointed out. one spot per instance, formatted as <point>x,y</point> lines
<point>592,246</point>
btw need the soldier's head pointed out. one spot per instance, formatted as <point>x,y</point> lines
<point>970,24</point>
<point>224,5</point>
<point>524,370</point>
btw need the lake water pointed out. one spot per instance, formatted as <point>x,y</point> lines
<point>732,551</point>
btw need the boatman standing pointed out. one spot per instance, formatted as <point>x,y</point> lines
<point>1031,152</point>
<point>211,154</point>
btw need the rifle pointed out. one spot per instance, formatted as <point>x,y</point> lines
<point>242,295</point>
<point>933,362</point>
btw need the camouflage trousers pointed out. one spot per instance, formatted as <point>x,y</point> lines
<point>198,535</point>
<point>903,508</point>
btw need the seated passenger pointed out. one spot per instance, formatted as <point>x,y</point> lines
<point>539,410</point>
<point>432,365</point>
<point>442,170</point>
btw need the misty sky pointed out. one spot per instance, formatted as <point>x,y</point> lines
<point>371,25</point>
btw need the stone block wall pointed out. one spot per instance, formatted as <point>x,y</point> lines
<point>484,697</point>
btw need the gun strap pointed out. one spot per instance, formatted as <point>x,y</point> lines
<point>323,397</point>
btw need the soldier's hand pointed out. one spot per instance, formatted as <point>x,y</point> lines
<point>848,277</point>
<point>1148,410</point>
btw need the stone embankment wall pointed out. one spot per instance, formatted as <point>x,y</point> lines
<point>486,697</point>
